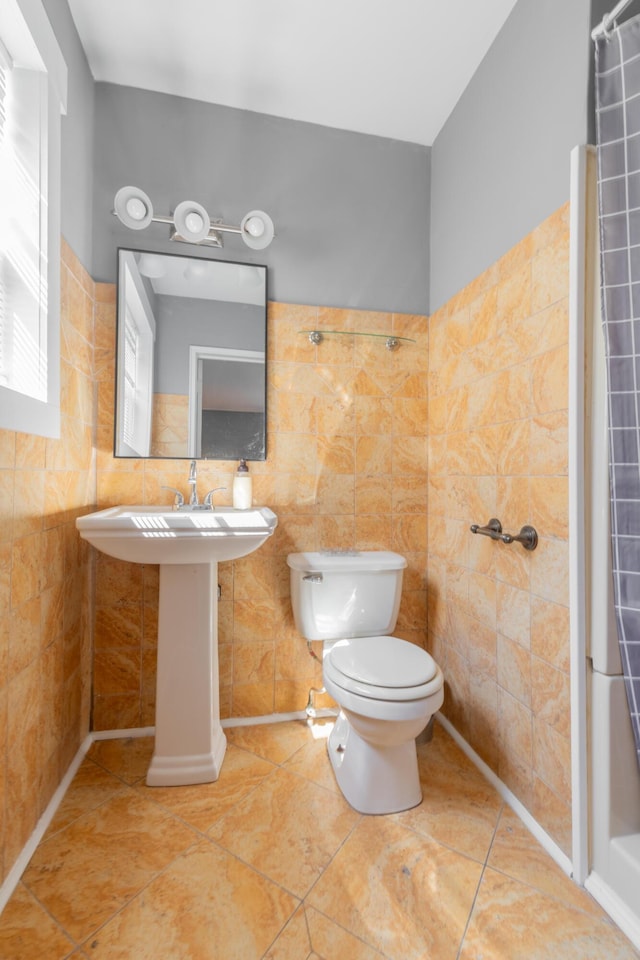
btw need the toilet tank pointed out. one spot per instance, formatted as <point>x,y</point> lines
<point>335,595</point>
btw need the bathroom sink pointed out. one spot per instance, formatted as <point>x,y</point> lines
<point>160,535</point>
<point>189,742</point>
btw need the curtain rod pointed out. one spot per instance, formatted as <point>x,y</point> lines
<point>609,19</point>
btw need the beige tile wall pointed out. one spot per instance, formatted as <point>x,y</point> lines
<point>346,467</point>
<point>498,616</point>
<point>45,647</point>
<point>170,433</point>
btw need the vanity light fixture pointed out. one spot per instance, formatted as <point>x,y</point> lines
<point>190,221</point>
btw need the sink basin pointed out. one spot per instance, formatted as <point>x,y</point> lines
<point>160,535</point>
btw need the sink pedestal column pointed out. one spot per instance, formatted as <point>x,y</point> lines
<point>189,741</point>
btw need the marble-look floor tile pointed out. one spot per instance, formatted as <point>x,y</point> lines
<point>27,932</point>
<point>459,806</point>
<point>86,872</point>
<point>294,942</point>
<point>206,905</point>
<point>124,870</point>
<point>129,759</point>
<point>312,761</point>
<point>516,852</point>
<point>91,787</point>
<point>512,921</point>
<point>203,803</point>
<point>332,941</point>
<point>288,828</point>
<point>311,934</point>
<point>272,741</point>
<point>405,895</point>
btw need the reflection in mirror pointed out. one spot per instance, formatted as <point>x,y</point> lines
<point>191,348</point>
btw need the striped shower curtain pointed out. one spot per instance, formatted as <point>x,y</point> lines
<point>618,136</point>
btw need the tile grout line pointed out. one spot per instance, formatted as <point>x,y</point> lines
<point>480,879</point>
<point>94,933</point>
<point>350,933</point>
<point>123,783</point>
<point>199,836</point>
<point>45,909</point>
<point>326,915</point>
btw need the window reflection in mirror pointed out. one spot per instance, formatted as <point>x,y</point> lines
<point>191,358</point>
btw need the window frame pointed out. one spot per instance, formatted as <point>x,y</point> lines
<point>27,34</point>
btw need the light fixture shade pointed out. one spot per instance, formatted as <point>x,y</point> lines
<point>257,229</point>
<point>133,208</point>
<point>191,221</point>
<point>151,266</point>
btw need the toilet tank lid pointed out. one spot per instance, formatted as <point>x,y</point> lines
<point>340,561</point>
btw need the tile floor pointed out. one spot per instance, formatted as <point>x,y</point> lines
<point>270,862</point>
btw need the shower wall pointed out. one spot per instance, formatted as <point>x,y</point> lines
<point>498,615</point>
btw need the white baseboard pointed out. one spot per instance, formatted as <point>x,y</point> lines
<point>530,823</point>
<point>321,714</point>
<point>616,910</point>
<point>11,880</point>
<point>131,732</point>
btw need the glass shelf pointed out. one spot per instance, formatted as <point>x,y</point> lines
<point>391,341</point>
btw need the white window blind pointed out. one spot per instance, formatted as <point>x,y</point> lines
<point>33,81</point>
<point>23,200</point>
<point>4,69</point>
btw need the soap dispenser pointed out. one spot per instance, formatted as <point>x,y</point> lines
<point>242,493</point>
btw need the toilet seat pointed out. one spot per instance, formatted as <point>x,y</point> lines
<point>382,668</point>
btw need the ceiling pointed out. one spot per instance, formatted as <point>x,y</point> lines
<point>394,68</point>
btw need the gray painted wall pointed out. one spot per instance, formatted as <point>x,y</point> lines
<point>182,321</point>
<point>355,215</point>
<point>77,136</point>
<point>500,165</point>
<point>351,211</point>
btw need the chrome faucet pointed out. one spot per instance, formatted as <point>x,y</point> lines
<point>193,502</point>
<point>192,481</point>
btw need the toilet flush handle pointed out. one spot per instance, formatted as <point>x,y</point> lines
<point>313,577</point>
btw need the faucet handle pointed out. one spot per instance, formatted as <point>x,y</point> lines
<point>178,500</point>
<point>208,500</point>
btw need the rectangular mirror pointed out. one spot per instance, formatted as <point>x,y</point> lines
<point>191,358</point>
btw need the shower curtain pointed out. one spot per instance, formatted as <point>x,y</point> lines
<point>618,143</point>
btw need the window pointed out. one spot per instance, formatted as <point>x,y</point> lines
<point>32,95</point>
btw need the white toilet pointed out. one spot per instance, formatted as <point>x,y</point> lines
<point>387,689</point>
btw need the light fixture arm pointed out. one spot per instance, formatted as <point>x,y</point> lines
<point>215,224</point>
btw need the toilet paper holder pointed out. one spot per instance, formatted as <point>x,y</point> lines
<point>528,535</point>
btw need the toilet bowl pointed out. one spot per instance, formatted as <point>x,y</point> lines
<point>385,703</point>
<point>387,688</point>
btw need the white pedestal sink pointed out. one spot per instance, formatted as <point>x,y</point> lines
<point>189,741</point>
